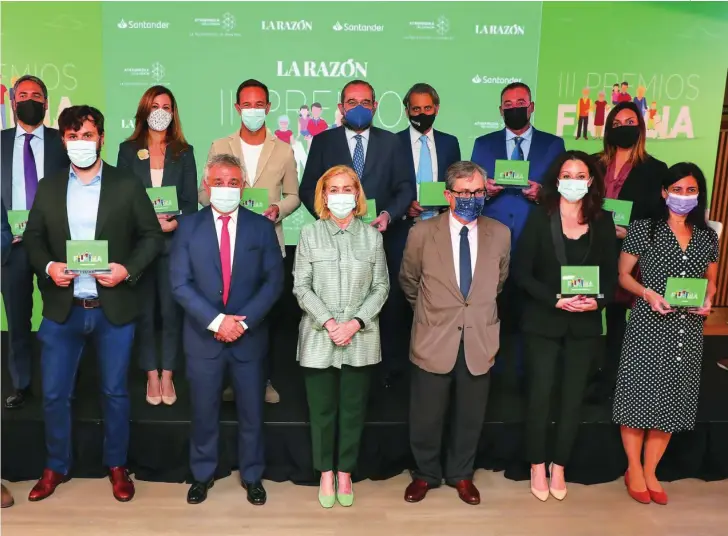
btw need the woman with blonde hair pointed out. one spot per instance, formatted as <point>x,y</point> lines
<point>341,283</point>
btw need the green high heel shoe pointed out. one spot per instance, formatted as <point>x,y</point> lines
<point>345,499</point>
<point>326,501</point>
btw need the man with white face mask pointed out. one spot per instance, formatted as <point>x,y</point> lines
<point>268,163</point>
<point>226,273</point>
<point>91,201</point>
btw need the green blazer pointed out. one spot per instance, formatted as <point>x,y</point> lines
<point>125,218</point>
<point>340,275</point>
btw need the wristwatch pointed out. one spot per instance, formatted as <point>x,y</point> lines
<point>361,322</point>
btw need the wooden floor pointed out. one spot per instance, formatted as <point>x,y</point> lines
<point>86,508</point>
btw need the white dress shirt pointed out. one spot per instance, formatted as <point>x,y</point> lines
<point>415,136</point>
<point>18,169</point>
<point>232,231</point>
<point>525,143</point>
<point>455,227</point>
<point>352,142</point>
<point>157,176</point>
<point>251,156</point>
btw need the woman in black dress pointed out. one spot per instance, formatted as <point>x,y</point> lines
<point>570,228</point>
<point>630,174</point>
<point>659,370</point>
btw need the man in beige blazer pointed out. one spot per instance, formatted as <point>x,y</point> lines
<point>269,164</point>
<point>454,266</point>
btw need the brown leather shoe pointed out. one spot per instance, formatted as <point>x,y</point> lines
<point>7,498</point>
<point>416,490</point>
<point>467,492</point>
<point>46,485</point>
<point>121,484</point>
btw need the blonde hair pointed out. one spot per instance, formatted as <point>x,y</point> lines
<point>318,203</point>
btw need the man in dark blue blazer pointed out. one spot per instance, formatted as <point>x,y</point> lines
<point>226,272</point>
<point>511,206</point>
<point>29,152</point>
<point>428,153</point>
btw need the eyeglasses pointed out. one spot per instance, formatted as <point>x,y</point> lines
<point>468,195</point>
<point>353,103</point>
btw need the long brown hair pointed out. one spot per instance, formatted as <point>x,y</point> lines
<point>174,139</point>
<point>638,153</point>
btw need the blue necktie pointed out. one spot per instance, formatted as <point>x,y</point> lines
<point>359,156</point>
<point>424,171</point>
<point>466,274</point>
<point>517,151</point>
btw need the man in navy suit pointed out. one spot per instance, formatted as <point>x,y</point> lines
<point>30,151</point>
<point>428,153</point>
<point>511,206</point>
<point>226,272</point>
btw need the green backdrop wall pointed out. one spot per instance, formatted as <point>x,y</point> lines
<point>108,54</point>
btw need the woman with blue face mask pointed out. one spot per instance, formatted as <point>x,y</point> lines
<point>659,371</point>
<point>569,233</point>
<point>341,283</point>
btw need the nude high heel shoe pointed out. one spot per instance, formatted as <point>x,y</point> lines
<point>169,400</point>
<point>559,494</point>
<point>153,400</point>
<point>541,495</point>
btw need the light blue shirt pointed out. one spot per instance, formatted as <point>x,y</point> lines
<point>82,202</point>
<point>525,144</point>
<point>352,142</point>
<point>36,145</point>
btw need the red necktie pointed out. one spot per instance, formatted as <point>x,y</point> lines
<point>225,260</point>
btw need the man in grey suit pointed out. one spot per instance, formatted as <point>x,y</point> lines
<point>454,266</point>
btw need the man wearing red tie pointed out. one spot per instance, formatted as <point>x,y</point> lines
<point>226,272</point>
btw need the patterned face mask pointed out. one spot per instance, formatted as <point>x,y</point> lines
<point>159,120</point>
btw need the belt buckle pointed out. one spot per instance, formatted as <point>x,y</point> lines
<point>85,301</point>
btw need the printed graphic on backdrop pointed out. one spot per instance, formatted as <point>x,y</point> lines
<point>305,53</point>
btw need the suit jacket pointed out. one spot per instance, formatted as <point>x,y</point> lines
<point>126,219</point>
<point>7,235</point>
<point>55,159</point>
<point>442,317</point>
<point>276,171</point>
<point>510,207</point>
<point>447,148</point>
<point>643,186</point>
<point>196,278</point>
<point>537,270</point>
<point>387,178</point>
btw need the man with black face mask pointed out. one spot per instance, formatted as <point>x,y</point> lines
<point>30,151</point>
<point>511,206</point>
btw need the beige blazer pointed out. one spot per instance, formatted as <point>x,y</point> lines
<point>276,171</point>
<point>441,315</point>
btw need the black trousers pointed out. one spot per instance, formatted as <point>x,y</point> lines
<point>583,123</point>
<point>509,361</point>
<point>432,396</point>
<point>544,372</point>
<point>616,326</point>
<point>155,284</point>
<point>17,290</point>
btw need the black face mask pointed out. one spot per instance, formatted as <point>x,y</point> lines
<point>30,112</point>
<point>624,137</point>
<point>516,118</point>
<point>422,122</point>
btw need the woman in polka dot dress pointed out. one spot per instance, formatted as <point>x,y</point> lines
<point>659,370</point>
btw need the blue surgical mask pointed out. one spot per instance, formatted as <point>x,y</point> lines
<point>359,117</point>
<point>681,204</point>
<point>468,209</point>
<point>253,118</point>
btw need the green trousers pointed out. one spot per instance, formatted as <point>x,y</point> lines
<point>336,393</point>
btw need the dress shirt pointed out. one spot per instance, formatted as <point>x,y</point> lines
<point>525,143</point>
<point>415,136</point>
<point>82,204</point>
<point>455,227</point>
<point>352,142</point>
<point>157,177</point>
<point>251,156</point>
<point>232,231</point>
<point>36,145</point>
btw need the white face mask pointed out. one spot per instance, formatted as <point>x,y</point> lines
<point>225,199</point>
<point>159,120</point>
<point>341,205</point>
<point>82,153</point>
<point>573,190</point>
<point>253,118</point>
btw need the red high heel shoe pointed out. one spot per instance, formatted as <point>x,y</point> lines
<point>658,497</point>
<point>639,496</point>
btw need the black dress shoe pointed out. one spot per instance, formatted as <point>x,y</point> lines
<point>198,491</point>
<point>256,493</point>
<point>17,400</point>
